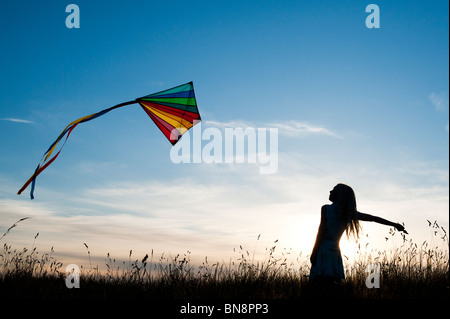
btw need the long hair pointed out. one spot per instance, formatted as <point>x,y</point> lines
<point>346,205</point>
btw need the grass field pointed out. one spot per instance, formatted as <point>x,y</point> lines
<point>413,270</point>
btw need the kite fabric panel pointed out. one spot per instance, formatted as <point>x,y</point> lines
<point>174,111</point>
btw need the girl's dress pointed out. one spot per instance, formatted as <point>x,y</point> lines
<point>329,261</point>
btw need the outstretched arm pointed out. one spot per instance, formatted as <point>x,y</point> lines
<point>379,220</point>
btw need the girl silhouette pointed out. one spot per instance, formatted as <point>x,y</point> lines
<point>336,218</point>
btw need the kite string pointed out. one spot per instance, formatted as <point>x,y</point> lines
<point>327,174</point>
<point>337,179</point>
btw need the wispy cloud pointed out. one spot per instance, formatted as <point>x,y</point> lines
<point>289,128</point>
<point>302,129</point>
<point>10,119</point>
<point>218,208</point>
<point>440,101</point>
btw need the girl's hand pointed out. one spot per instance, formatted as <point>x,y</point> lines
<point>400,227</point>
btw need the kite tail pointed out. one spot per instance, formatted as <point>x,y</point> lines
<point>52,147</point>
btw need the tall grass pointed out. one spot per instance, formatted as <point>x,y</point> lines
<point>409,271</point>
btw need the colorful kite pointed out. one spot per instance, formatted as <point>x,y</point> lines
<point>174,111</point>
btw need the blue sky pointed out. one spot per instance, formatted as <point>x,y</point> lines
<point>364,106</point>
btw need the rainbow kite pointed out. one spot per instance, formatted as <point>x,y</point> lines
<point>174,111</point>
